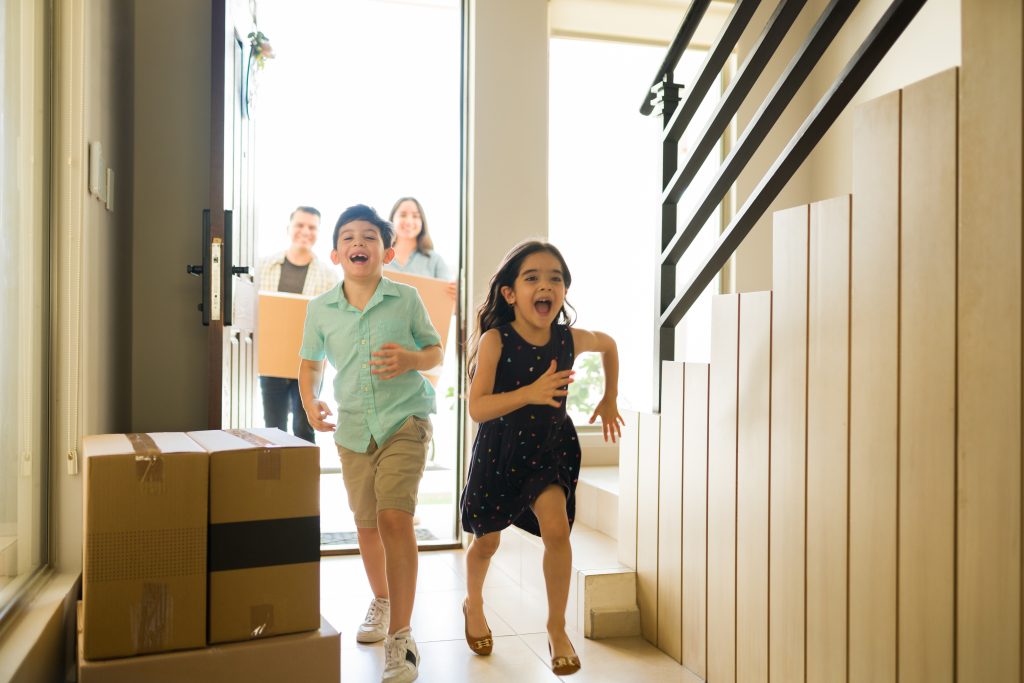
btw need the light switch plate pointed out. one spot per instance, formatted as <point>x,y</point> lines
<point>97,177</point>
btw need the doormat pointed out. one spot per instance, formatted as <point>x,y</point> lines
<point>350,537</point>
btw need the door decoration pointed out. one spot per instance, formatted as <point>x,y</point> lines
<point>260,51</point>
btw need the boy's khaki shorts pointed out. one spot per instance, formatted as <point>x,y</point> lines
<point>388,477</point>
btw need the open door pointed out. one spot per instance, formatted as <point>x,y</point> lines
<point>228,269</point>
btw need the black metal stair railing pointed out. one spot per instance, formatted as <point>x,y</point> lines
<point>672,307</point>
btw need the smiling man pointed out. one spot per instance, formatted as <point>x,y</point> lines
<point>298,271</point>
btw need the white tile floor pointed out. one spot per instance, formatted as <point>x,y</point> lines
<point>516,619</point>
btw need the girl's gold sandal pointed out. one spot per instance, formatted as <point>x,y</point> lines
<point>563,666</point>
<point>480,646</point>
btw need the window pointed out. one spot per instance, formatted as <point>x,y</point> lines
<point>24,293</point>
<point>604,207</point>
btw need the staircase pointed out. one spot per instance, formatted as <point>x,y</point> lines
<point>812,465</point>
<point>805,506</point>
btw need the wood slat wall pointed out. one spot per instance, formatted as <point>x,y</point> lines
<point>989,288</point>
<point>629,454</point>
<point>786,562</point>
<point>647,550</point>
<point>874,385</point>
<point>828,376</point>
<point>725,326</point>
<point>695,517</point>
<point>837,496</point>
<point>670,518</point>
<point>927,479</point>
<point>752,478</point>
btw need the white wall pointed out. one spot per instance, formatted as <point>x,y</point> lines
<point>107,235</point>
<point>172,171</point>
<point>103,399</point>
<point>508,133</point>
<point>632,20</point>
<point>751,266</point>
<point>929,45</point>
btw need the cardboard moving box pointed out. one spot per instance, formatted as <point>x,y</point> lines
<point>313,657</point>
<point>281,317</point>
<point>438,303</point>
<point>434,294</point>
<point>145,524</point>
<point>264,552</point>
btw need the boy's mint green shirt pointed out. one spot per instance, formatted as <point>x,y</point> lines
<point>367,405</point>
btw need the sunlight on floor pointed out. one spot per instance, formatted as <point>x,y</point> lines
<point>516,619</point>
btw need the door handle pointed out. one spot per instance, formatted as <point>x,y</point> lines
<point>229,270</point>
<point>207,271</point>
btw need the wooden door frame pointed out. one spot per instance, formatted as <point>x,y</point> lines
<point>215,334</point>
<point>223,33</point>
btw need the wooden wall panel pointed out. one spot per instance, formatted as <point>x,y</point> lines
<point>670,516</point>
<point>928,381</point>
<point>695,517</point>
<point>752,478</point>
<point>721,663</point>
<point>647,524</point>
<point>874,373</point>
<point>827,439</point>
<point>989,283</point>
<point>629,453</point>
<point>788,446</point>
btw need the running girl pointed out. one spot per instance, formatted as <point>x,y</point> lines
<point>526,457</point>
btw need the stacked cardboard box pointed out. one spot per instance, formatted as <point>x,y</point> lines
<point>264,533</point>
<point>310,657</point>
<point>202,538</point>
<point>144,570</point>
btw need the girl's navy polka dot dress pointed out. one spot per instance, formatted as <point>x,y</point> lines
<point>518,455</point>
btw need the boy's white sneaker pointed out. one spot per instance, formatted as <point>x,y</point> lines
<point>375,626</point>
<point>401,658</point>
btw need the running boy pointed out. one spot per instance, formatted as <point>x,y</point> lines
<point>377,335</point>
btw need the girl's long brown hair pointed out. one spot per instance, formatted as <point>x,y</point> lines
<point>495,311</point>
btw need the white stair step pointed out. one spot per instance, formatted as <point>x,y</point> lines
<point>597,499</point>
<point>596,451</point>
<point>605,478</point>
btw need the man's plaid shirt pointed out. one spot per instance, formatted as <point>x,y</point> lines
<point>319,276</point>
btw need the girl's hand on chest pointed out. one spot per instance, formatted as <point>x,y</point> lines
<point>547,389</point>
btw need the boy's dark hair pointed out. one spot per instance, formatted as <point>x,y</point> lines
<point>362,212</point>
<point>304,209</point>
<point>495,311</point>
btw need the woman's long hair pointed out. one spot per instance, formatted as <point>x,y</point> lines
<point>495,311</point>
<point>424,244</point>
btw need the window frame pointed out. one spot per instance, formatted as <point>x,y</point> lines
<point>36,43</point>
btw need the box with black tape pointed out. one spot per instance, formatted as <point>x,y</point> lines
<point>264,534</point>
<point>144,543</point>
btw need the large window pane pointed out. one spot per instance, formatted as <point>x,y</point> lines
<point>24,294</point>
<point>362,105</point>
<point>605,207</point>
